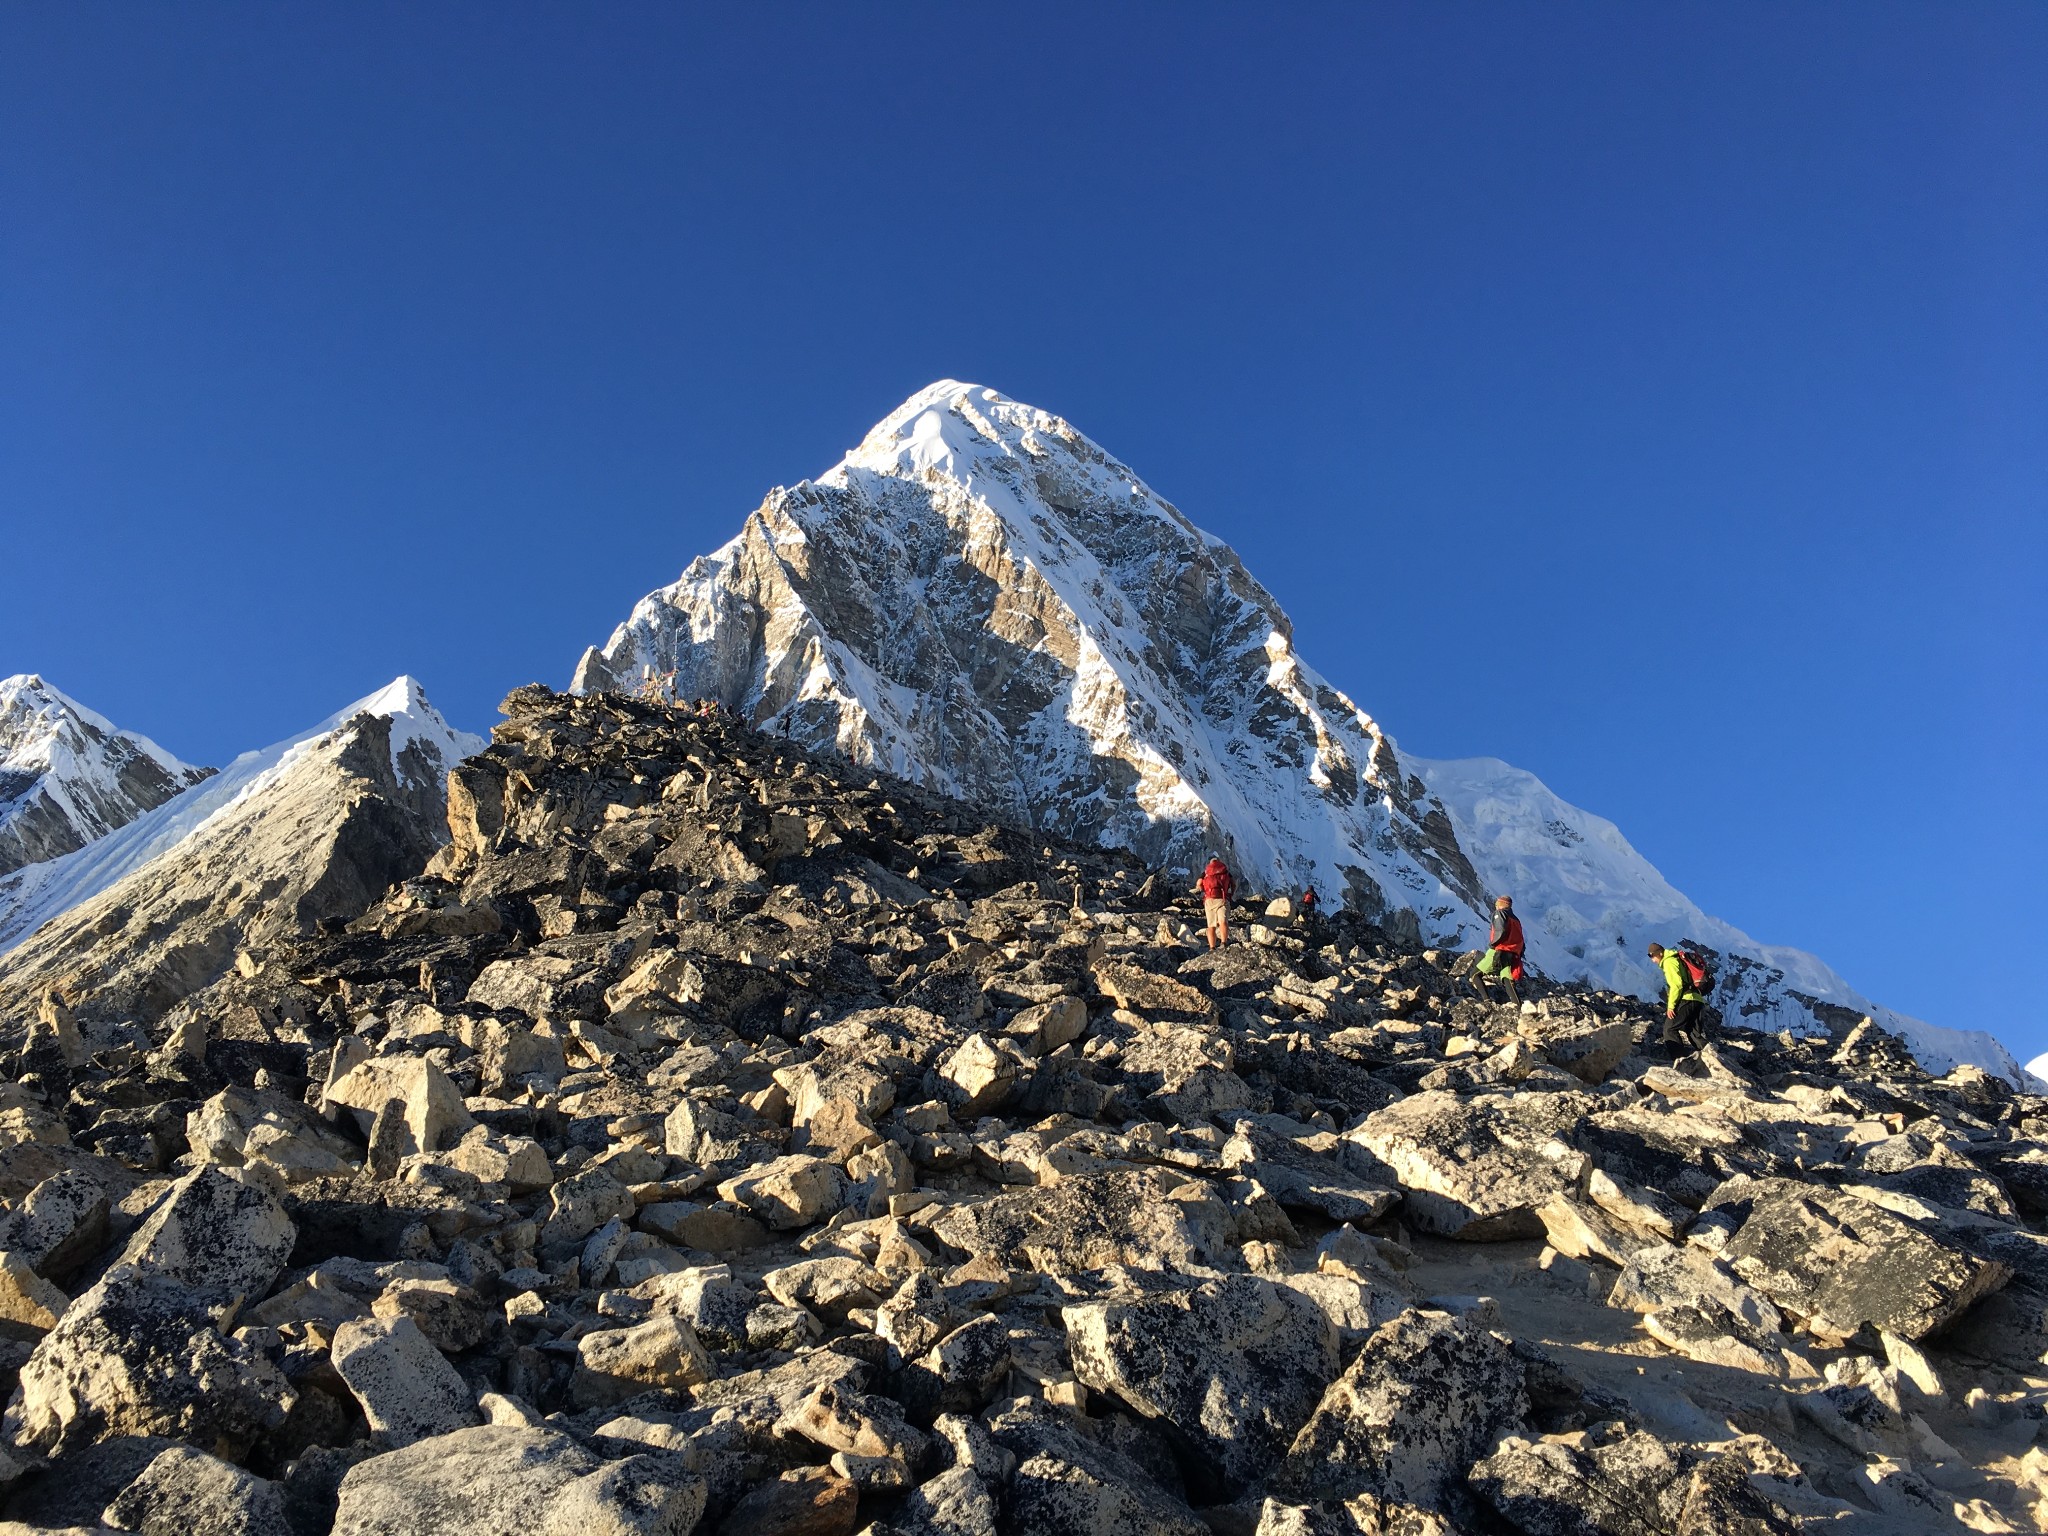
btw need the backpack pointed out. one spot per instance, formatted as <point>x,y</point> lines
<point>1698,971</point>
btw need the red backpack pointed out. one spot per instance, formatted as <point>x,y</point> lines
<point>1697,971</point>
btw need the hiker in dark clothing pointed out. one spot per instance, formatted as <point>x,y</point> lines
<point>1309,909</point>
<point>1685,1004</point>
<point>1503,957</point>
<point>1216,887</point>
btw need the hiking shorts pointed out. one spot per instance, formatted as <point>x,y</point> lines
<point>1496,962</point>
<point>1215,911</point>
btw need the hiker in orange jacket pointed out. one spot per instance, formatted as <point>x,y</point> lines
<point>1504,947</point>
<point>1216,887</point>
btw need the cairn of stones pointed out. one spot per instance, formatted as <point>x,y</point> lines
<point>717,1138</point>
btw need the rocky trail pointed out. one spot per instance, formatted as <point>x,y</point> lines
<point>712,1138</point>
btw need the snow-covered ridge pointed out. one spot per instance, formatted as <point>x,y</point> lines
<point>1590,904</point>
<point>423,747</point>
<point>68,775</point>
<point>981,599</point>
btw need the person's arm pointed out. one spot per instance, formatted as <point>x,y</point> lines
<point>1674,976</point>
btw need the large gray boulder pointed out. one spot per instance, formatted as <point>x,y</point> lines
<point>614,1364</point>
<point>1302,1170</point>
<point>955,1503</point>
<point>1066,1480</point>
<point>219,1235</point>
<point>1586,1046</point>
<point>138,1354</point>
<point>1840,1262</point>
<point>1633,1486</point>
<point>1427,1396</point>
<point>497,1480</point>
<point>186,1492</point>
<point>791,1191</point>
<point>1143,1218</point>
<point>1481,1168</point>
<point>1629,1485</point>
<point>1234,1366</point>
<point>61,1224</point>
<point>407,1388</point>
<point>431,1114</point>
<point>1359,1515</point>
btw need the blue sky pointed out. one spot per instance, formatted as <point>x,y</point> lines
<point>1653,396</point>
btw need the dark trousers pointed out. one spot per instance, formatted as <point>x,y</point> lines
<point>1687,1024</point>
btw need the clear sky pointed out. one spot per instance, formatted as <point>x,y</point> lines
<point>1653,396</point>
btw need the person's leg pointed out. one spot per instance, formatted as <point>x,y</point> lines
<point>1672,1035</point>
<point>1688,1024</point>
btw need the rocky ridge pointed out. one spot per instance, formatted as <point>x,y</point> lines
<point>982,600</point>
<point>309,831</point>
<point>701,1140</point>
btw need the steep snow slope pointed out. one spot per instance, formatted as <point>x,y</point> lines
<point>68,776</point>
<point>980,599</point>
<point>1590,903</point>
<point>279,839</point>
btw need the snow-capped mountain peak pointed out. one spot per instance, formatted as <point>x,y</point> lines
<point>981,599</point>
<point>68,775</point>
<point>422,747</point>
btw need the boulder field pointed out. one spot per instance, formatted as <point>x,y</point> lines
<point>712,1138</point>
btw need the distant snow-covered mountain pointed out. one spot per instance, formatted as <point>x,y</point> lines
<point>980,599</point>
<point>313,827</point>
<point>68,776</point>
<point>1590,904</point>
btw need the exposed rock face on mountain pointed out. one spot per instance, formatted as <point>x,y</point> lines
<point>702,1142</point>
<point>67,776</point>
<point>981,600</point>
<point>310,831</point>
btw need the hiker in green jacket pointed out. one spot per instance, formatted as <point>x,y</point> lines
<point>1684,1004</point>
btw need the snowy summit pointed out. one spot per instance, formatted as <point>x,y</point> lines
<point>68,776</point>
<point>982,600</point>
<point>278,840</point>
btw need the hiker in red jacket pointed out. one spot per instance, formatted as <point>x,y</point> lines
<point>1216,887</point>
<point>1503,957</point>
<point>1308,909</point>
